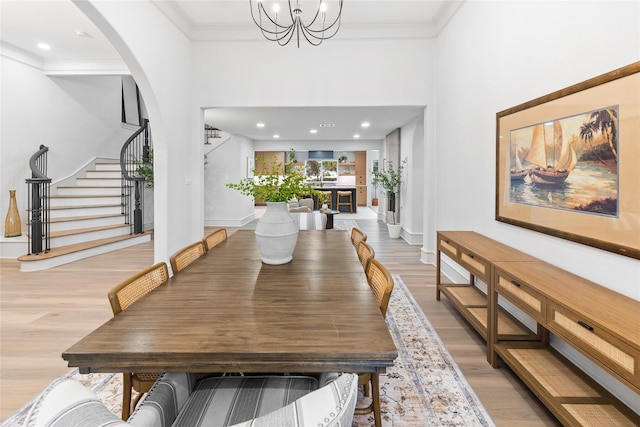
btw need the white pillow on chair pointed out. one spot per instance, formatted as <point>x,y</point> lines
<point>306,202</point>
<point>68,403</point>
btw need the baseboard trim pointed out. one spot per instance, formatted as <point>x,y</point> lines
<point>229,222</point>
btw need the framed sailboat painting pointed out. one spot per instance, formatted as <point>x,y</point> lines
<point>568,163</point>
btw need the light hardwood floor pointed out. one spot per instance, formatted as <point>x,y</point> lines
<point>44,313</point>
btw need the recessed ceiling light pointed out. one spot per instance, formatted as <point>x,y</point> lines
<point>276,136</point>
<point>365,124</point>
<point>313,131</point>
<point>44,46</point>
<point>327,125</point>
<point>356,136</point>
<point>260,125</point>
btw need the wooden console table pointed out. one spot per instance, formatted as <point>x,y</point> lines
<point>601,324</point>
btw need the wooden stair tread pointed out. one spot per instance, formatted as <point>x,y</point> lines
<point>86,230</point>
<point>85,196</point>
<point>64,250</point>
<point>84,206</point>
<point>85,217</point>
<point>91,186</point>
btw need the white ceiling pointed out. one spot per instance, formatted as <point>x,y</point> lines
<point>24,24</point>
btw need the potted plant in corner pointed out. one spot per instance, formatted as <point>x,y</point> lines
<point>390,179</point>
<point>276,231</point>
<point>375,181</point>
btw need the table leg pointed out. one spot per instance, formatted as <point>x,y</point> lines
<point>329,221</point>
<point>375,394</point>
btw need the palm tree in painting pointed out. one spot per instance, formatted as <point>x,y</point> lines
<point>604,122</point>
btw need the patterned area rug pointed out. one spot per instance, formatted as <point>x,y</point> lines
<point>424,387</point>
<point>344,224</point>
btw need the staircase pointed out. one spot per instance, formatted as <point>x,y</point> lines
<point>86,220</point>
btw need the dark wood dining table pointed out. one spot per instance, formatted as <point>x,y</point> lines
<point>229,312</point>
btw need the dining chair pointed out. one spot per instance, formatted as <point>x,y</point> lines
<point>178,399</point>
<point>381,284</point>
<point>357,236</point>
<point>121,297</point>
<point>365,254</point>
<point>213,239</point>
<point>186,256</point>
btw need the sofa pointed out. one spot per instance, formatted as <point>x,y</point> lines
<point>300,205</point>
<point>179,399</point>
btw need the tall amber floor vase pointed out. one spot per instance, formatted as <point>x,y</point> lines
<point>12,225</point>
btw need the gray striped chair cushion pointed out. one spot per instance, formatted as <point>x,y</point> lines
<point>330,406</point>
<point>224,401</point>
<point>177,400</point>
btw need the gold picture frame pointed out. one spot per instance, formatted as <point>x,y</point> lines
<point>568,163</point>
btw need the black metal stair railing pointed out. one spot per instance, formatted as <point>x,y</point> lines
<point>135,156</point>
<point>38,194</point>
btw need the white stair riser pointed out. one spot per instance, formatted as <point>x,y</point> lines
<point>100,182</point>
<point>56,242</point>
<point>89,191</point>
<point>86,223</point>
<point>104,174</point>
<point>65,259</point>
<point>102,210</point>
<point>108,166</point>
<point>84,201</point>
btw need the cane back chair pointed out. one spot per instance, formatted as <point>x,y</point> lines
<point>121,297</point>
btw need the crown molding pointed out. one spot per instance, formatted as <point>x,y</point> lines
<point>446,13</point>
<point>65,67</point>
<point>84,67</point>
<point>12,52</point>
<point>249,32</point>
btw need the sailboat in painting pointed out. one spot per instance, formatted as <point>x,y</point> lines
<point>519,173</point>
<point>552,175</point>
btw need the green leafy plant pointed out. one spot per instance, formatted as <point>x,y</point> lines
<point>273,187</point>
<point>390,179</point>
<point>144,169</point>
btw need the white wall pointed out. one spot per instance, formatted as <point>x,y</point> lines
<point>412,189</point>
<point>77,117</point>
<point>494,70</point>
<point>519,51</point>
<point>227,163</point>
<point>340,73</point>
<point>337,146</point>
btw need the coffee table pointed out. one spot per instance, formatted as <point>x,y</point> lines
<point>330,214</point>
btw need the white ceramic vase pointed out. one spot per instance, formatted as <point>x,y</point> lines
<point>276,234</point>
<point>394,230</point>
